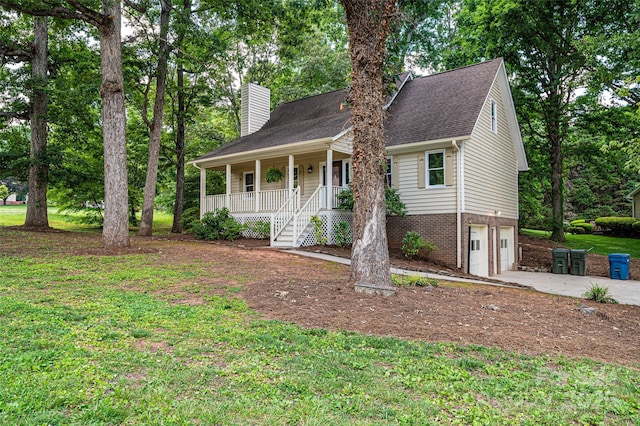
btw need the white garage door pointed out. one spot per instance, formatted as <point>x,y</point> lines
<point>507,249</point>
<point>478,250</point>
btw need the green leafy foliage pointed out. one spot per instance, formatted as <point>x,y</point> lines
<point>218,225</point>
<point>273,174</point>
<point>342,233</point>
<point>4,192</point>
<point>262,229</point>
<point>413,244</point>
<point>617,225</point>
<point>394,204</point>
<point>580,226</point>
<point>576,230</point>
<point>318,233</point>
<point>413,280</point>
<point>599,294</point>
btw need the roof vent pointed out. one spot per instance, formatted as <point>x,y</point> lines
<point>255,110</point>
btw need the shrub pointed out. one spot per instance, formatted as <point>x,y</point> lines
<point>190,217</point>
<point>395,206</point>
<point>345,199</point>
<point>576,230</point>
<point>617,225</point>
<point>342,233</point>
<point>580,223</point>
<point>413,280</point>
<point>413,243</point>
<point>317,230</point>
<point>218,225</point>
<point>262,229</point>
<point>599,294</point>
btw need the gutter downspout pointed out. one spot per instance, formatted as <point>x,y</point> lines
<point>456,149</point>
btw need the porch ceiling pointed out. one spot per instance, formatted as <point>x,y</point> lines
<point>309,149</point>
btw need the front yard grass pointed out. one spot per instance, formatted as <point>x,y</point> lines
<point>103,340</point>
<point>14,215</point>
<point>602,244</point>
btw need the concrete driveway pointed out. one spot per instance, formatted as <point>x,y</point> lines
<point>624,291</point>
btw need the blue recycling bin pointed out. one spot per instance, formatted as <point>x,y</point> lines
<point>619,266</point>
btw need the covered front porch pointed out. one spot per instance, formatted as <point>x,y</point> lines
<point>306,188</point>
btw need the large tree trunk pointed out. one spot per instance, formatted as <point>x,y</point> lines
<point>39,170</point>
<point>557,196</point>
<point>180,134</point>
<point>368,22</point>
<point>116,225</point>
<point>180,141</point>
<point>146,223</point>
<point>556,130</point>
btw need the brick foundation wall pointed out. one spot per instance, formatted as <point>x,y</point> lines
<point>440,229</point>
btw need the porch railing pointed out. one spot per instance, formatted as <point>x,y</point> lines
<point>283,216</point>
<point>244,202</point>
<point>303,217</point>
<point>273,199</point>
<point>214,202</point>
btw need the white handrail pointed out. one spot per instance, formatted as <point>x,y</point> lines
<point>283,216</point>
<point>303,217</point>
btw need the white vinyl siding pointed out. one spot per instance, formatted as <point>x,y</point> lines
<point>419,200</point>
<point>255,108</point>
<point>344,144</point>
<point>490,169</point>
<point>493,110</point>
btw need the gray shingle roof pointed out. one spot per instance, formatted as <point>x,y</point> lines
<point>438,106</point>
<point>306,119</point>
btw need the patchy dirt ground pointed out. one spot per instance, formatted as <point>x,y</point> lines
<point>315,293</point>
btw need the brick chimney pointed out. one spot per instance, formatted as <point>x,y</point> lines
<point>255,108</point>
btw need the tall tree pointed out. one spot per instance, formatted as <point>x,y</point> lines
<point>37,55</point>
<point>542,43</point>
<point>39,170</point>
<point>146,223</point>
<point>369,22</point>
<point>108,22</point>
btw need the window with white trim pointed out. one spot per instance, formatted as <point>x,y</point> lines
<point>249,182</point>
<point>388,174</point>
<point>347,172</point>
<point>494,116</point>
<point>295,177</point>
<point>434,163</point>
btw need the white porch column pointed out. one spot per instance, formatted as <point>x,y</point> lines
<point>256,183</point>
<point>227,200</point>
<point>290,175</point>
<point>203,191</point>
<point>329,176</point>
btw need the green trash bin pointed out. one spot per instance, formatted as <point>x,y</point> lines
<point>560,261</point>
<point>578,262</point>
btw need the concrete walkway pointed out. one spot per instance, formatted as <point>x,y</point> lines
<point>624,291</point>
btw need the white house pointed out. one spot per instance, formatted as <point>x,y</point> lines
<point>454,152</point>
<point>634,197</point>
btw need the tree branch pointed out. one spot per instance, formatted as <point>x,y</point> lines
<point>16,54</point>
<point>78,12</point>
<point>15,115</point>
